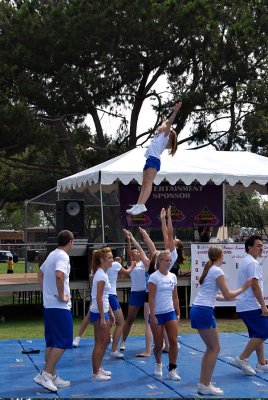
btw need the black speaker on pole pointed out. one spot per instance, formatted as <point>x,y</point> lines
<point>70,216</point>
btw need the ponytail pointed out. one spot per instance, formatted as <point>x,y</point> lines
<point>214,253</point>
<point>172,142</point>
<point>207,267</point>
<point>96,257</point>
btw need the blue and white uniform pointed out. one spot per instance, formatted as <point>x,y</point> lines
<point>100,276</point>
<point>247,306</point>
<point>138,285</point>
<point>163,300</point>
<point>58,320</point>
<point>112,276</point>
<point>202,311</point>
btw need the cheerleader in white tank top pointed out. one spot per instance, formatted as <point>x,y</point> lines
<point>165,137</point>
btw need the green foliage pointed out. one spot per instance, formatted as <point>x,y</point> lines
<point>12,217</point>
<point>64,60</point>
<point>245,210</point>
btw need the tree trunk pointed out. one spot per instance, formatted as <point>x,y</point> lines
<point>64,138</point>
<point>99,130</point>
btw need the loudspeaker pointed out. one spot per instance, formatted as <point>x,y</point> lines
<point>70,216</point>
<point>80,257</point>
<point>79,268</point>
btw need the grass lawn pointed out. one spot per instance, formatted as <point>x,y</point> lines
<point>27,323</point>
<point>19,267</point>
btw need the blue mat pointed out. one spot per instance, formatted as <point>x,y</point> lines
<point>132,377</point>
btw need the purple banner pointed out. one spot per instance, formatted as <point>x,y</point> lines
<point>191,205</point>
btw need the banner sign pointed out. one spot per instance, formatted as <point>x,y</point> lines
<point>233,254</point>
<point>191,205</point>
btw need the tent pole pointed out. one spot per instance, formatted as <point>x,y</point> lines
<point>102,216</point>
<point>25,234</point>
<point>223,210</point>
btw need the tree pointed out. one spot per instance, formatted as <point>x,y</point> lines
<point>245,210</point>
<point>64,60</point>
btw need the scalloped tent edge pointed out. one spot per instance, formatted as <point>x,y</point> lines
<point>186,166</point>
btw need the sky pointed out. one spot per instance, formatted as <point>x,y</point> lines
<point>146,119</point>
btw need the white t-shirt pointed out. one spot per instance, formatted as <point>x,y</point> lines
<point>113,275</point>
<point>248,268</point>
<point>207,292</point>
<point>163,301</point>
<point>157,145</point>
<point>137,275</point>
<point>100,276</point>
<point>57,260</point>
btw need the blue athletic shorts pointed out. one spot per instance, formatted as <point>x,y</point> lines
<point>257,324</point>
<point>114,303</point>
<point>152,162</point>
<point>202,317</point>
<point>58,325</point>
<point>165,317</point>
<point>95,316</point>
<point>137,298</point>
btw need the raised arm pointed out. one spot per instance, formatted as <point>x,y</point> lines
<point>164,227</point>
<point>170,232</point>
<point>167,229</point>
<point>144,258</point>
<point>128,246</point>
<point>171,119</point>
<point>148,241</point>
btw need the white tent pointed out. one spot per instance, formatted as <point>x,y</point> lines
<point>235,170</point>
<point>185,166</point>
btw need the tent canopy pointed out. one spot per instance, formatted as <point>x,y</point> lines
<point>185,166</point>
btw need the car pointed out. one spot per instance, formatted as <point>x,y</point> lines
<point>4,255</point>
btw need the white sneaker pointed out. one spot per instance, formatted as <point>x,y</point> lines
<point>244,365</point>
<point>158,370</point>
<point>172,375</point>
<point>116,354</point>
<point>76,341</point>
<point>138,209</point>
<point>261,368</point>
<point>45,379</point>
<point>202,389</point>
<point>123,345</point>
<point>60,383</point>
<point>101,377</point>
<point>107,373</point>
<point>129,210</point>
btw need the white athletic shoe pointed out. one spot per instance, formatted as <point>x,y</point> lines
<point>122,345</point>
<point>60,383</point>
<point>116,354</point>
<point>138,209</point>
<point>172,375</point>
<point>261,368</point>
<point>45,379</point>
<point>158,370</point>
<point>244,365</point>
<point>211,390</point>
<point>101,377</point>
<point>76,341</point>
<point>107,373</point>
<point>129,210</point>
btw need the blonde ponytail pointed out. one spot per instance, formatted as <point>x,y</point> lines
<point>96,257</point>
<point>214,253</point>
<point>172,142</point>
